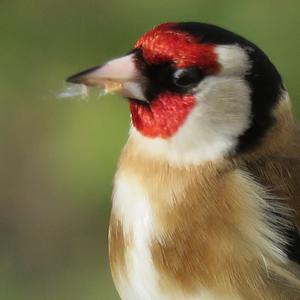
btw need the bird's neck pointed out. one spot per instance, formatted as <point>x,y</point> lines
<point>153,200</point>
<point>164,213</point>
<point>167,213</point>
<point>280,136</point>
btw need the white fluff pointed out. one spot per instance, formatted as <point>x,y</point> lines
<point>73,91</point>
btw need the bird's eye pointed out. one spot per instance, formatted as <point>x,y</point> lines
<point>187,77</point>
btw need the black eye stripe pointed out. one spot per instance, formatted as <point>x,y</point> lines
<point>166,77</point>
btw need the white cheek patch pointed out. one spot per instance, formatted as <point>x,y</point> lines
<point>211,131</point>
<point>233,59</point>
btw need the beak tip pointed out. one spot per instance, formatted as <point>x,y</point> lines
<point>81,77</point>
<point>73,79</point>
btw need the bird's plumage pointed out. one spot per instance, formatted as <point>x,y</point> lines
<point>220,226</point>
<point>206,197</point>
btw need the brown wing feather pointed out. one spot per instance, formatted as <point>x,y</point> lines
<point>276,165</point>
<point>281,177</point>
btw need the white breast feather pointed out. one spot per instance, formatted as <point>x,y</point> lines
<point>132,206</point>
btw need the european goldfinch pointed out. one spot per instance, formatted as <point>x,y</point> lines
<point>206,196</point>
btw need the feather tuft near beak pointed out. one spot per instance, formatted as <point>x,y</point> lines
<point>119,75</point>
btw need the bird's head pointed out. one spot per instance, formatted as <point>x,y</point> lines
<point>196,91</point>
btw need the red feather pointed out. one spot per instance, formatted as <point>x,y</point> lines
<point>163,117</point>
<point>165,43</point>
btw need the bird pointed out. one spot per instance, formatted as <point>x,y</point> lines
<point>206,197</point>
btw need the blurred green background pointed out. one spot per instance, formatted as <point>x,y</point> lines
<point>58,157</point>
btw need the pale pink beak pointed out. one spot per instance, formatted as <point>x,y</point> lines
<point>118,75</point>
